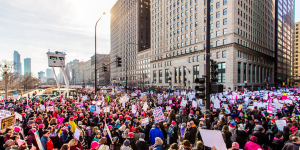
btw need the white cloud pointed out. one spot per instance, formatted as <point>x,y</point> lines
<point>32,27</point>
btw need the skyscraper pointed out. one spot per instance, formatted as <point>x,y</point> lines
<point>27,66</point>
<point>41,76</point>
<point>286,28</point>
<point>17,63</point>
<point>242,37</point>
<point>130,34</point>
<point>296,53</point>
<point>49,73</point>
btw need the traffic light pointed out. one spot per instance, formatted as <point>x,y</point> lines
<point>214,71</point>
<point>200,89</point>
<point>119,61</point>
<point>104,68</point>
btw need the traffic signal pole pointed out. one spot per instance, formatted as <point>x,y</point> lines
<point>207,92</point>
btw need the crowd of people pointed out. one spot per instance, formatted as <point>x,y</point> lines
<point>113,120</point>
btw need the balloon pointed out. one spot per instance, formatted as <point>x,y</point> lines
<point>92,108</point>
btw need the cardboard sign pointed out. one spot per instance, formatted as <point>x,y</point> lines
<point>50,108</point>
<point>145,121</point>
<point>77,133</point>
<point>38,140</point>
<point>158,114</point>
<point>4,113</point>
<point>7,122</point>
<point>280,124</point>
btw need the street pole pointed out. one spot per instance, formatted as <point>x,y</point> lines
<point>276,45</point>
<point>207,82</point>
<point>6,86</point>
<point>96,53</point>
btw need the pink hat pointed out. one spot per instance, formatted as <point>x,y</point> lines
<point>75,116</point>
<point>109,127</point>
<point>191,111</point>
<point>17,129</point>
<point>130,134</point>
<point>128,118</point>
<point>110,116</point>
<point>71,118</point>
<point>94,145</point>
<point>121,117</point>
<point>173,122</point>
<point>41,126</point>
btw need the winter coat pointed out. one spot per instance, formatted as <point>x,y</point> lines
<point>262,138</point>
<point>228,140</point>
<point>155,132</point>
<point>141,145</point>
<point>31,140</point>
<point>251,146</point>
<point>241,137</point>
<point>44,141</point>
<point>175,136</point>
<point>277,144</point>
<point>233,135</point>
<point>63,138</point>
<point>190,134</point>
<point>291,146</point>
<point>76,147</point>
<point>286,133</point>
<point>159,147</point>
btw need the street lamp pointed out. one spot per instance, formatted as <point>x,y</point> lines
<point>96,53</point>
<point>5,69</point>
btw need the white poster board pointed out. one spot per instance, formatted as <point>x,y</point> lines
<point>280,124</point>
<point>213,138</point>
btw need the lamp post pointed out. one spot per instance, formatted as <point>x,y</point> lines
<point>96,53</point>
<point>5,69</point>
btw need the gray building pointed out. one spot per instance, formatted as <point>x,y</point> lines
<point>49,73</point>
<point>41,76</point>
<point>130,34</point>
<point>242,39</point>
<point>17,63</point>
<point>27,66</point>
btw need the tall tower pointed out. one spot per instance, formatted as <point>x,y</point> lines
<point>27,66</point>
<point>17,63</point>
<point>130,34</point>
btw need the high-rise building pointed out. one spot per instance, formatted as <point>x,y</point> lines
<point>103,78</point>
<point>130,34</point>
<point>41,76</point>
<point>242,37</point>
<point>49,73</point>
<point>286,28</point>
<point>296,54</point>
<point>17,63</point>
<point>27,66</point>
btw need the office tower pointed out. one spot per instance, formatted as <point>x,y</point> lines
<point>41,76</point>
<point>17,63</point>
<point>296,54</point>
<point>49,73</point>
<point>130,34</point>
<point>286,28</point>
<point>103,78</point>
<point>27,66</point>
<point>242,37</point>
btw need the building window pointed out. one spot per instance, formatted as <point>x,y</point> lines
<point>218,4</point>
<point>253,74</point>
<point>195,72</point>
<point>224,2</point>
<point>224,31</point>
<point>190,60</point>
<point>249,72</point>
<point>180,75</point>
<point>245,72</point>
<point>225,11</point>
<point>224,41</point>
<point>176,76</point>
<point>194,58</point>
<point>218,14</point>
<point>160,76</point>
<point>217,33</point>
<point>239,72</point>
<point>184,75</point>
<point>166,76</point>
<point>217,43</point>
<point>257,74</point>
<point>218,24</point>
<point>221,70</point>
<point>225,21</point>
<point>198,58</point>
<point>154,76</point>
<point>223,54</point>
<point>218,54</point>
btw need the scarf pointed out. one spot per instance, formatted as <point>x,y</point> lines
<point>186,147</point>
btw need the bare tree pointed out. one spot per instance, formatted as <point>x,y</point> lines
<point>12,78</point>
<point>27,81</point>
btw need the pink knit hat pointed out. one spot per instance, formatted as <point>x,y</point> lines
<point>94,145</point>
<point>17,129</point>
<point>41,126</point>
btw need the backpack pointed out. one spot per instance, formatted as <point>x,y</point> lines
<point>170,132</point>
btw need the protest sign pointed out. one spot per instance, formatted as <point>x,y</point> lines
<point>240,107</point>
<point>38,140</point>
<point>133,94</point>
<point>18,116</point>
<point>145,121</point>
<point>274,110</point>
<point>183,103</point>
<point>213,138</point>
<point>134,108</point>
<point>158,114</point>
<point>227,109</point>
<point>77,133</point>
<point>280,124</point>
<point>50,108</point>
<point>42,107</point>
<point>7,122</point>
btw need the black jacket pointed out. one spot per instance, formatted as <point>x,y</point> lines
<point>141,145</point>
<point>277,144</point>
<point>262,138</point>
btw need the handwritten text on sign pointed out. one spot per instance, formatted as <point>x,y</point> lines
<point>158,114</point>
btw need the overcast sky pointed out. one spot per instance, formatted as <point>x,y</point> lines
<point>31,27</point>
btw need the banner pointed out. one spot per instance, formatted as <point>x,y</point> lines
<point>145,121</point>
<point>77,133</point>
<point>158,114</point>
<point>38,140</point>
<point>50,108</point>
<point>7,122</point>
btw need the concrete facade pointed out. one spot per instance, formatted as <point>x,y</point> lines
<point>143,68</point>
<point>178,36</point>
<point>296,54</point>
